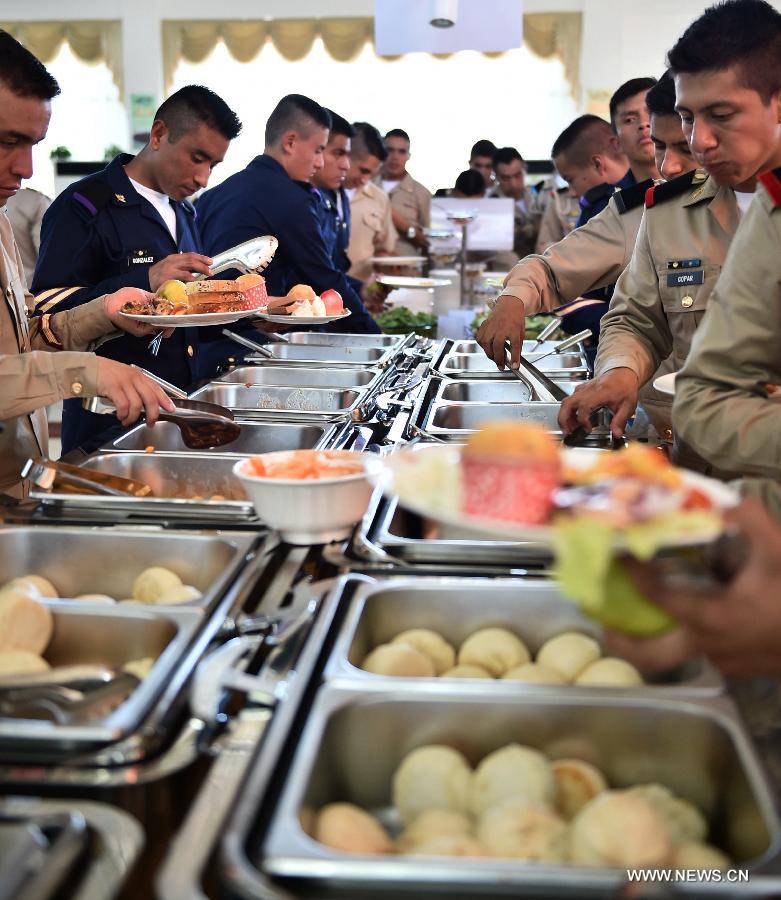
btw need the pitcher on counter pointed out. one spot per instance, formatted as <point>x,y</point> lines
<point>33,373</point>
<point>131,224</point>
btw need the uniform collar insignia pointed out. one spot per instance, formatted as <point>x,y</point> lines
<point>120,198</point>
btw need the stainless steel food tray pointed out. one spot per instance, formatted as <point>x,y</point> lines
<point>184,486</point>
<point>107,560</point>
<point>390,534</point>
<point>283,402</point>
<point>333,339</point>
<point>317,355</point>
<point>460,359</point>
<point>533,609</point>
<point>455,420</point>
<point>354,739</point>
<point>301,376</point>
<point>493,390</point>
<point>98,634</point>
<point>255,437</point>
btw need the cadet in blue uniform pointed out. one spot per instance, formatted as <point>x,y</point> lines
<point>131,225</point>
<point>333,210</point>
<point>272,195</point>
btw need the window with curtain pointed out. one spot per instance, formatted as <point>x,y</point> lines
<point>445,104</point>
<point>87,117</point>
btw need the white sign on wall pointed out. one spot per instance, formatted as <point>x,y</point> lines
<point>404,26</point>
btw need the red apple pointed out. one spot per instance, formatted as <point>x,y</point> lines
<point>334,305</point>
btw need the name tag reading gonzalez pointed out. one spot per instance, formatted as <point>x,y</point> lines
<point>684,279</point>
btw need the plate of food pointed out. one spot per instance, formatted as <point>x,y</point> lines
<point>302,306</point>
<point>586,507</point>
<point>665,384</point>
<point>408,281</point>
<point>199,303</point>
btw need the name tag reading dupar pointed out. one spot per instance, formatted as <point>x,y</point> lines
<point>684,278</point>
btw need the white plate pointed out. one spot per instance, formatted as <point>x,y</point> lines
<point>409,282</point>
<point>302,320</point>
<point>665,384</point>
<point>428,482</point>
<point>192,320</point>
<point>398,260</point>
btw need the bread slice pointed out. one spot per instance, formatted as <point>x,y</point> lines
<point>207,286</point>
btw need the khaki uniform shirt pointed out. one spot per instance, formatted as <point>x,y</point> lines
<point>590,257</point>
<point>722,408</point>
<point>560,217</point>
<point>526,225</point>
<point>413,201</point>
<point>31,378</point>
<point>371,229</point>
<point>660,299</point>
<point>25,212</point>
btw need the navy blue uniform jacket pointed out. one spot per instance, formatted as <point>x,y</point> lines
<point>264,199</point>
<point>100,235</point>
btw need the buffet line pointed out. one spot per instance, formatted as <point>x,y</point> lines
<point>191,745</point>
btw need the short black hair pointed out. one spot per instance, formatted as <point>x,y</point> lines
<point>22,73</point>
<point>368,142</point>
<point>741,33</point>
<point>628,89</point>
<point>340,125</point>
<point>582,138</point>
<point>483,148</point>
<point>660,99</point>
<point>295,112</point>
<point>506,155</point>
<point>471,183</point>
<point>398,132</point>
<point>193,105</point>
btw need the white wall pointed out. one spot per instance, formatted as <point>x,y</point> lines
<point>621,38</point>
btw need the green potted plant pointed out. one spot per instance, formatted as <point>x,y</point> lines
<point>60,153</point>
<point>111,151</point>
<point>400,320</point>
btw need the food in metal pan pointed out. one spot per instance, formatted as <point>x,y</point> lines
<point>495,649</point>
<point>160,585</point>
<point>401,660</point>
<point>533,673</point>
<point>577,782</point>
<point>21,662</point>
<point>432,777</point>
<point>349,828</point>
<point>432,644</point>
<point>610,672</point>
<point>512,774</point>
<point>25,623</point>
<point>569,654</point>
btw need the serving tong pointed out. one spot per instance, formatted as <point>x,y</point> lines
<point>66,695</point>
<point>49,474</point>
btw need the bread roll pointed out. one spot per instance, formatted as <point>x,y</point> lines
<point>432,824</point>
<point>185,593</point>
<point>431,777</point>
<point>534,673</point>
<point>577,782</point>
<point>432,644</point>
<point>467,670</point>
<point>25,623</point>
<point>154,583</point>
<point>620,829</point>
<point>524,831</point>
<point>610,672</point>
<point>399,660</point>
<point>685,823</point>
<point>569,654</point>
<point>695,855</point>
<point>513,774</point>
<point>346,827</point>
<point>495,649</point>
<point>449,845</point>
<point>42,586</point>
<point>95,598</point>
<point>21,662</point>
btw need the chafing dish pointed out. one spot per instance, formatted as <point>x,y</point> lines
<point>189,485</point>
<point>102,842</point>
<point>534,609</point>
<point>325,339</point>
<point>458,359</point>
<point>107,561</point>
<point>498,390</point>
<point>255,437</point>
<point>300,376</point>
<point>317,355</point>
<point>264,401</point>
<point>90,634</point>
<point>354,739</point>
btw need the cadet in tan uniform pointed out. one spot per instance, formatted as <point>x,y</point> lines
<point>32,379</point>
<point>560,216</point>
<point>410,200</point>
<point>721,65</point>
<point>371,227</point>
<point>591,256</point>
<point>722,406</point>
<point>528,206</point>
